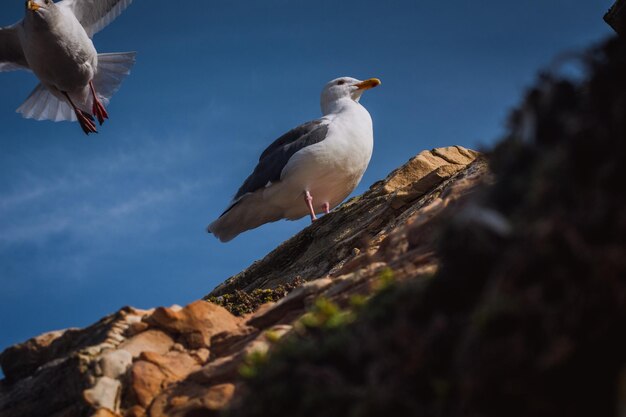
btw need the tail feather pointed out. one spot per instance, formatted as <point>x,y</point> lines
<point>112,69</point>
<point>248,213</point>
<point>42,104</point>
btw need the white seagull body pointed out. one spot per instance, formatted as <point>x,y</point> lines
<point>54,41</point>
<point>309,170</point>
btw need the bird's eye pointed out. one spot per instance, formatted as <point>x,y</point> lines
<point>47,1</point>
<point>341,82</point>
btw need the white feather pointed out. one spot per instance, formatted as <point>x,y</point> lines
<point>95,15</point>
<point>42,104</point>
<point>112,69</point>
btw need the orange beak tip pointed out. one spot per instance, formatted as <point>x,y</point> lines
<point>367,84</point>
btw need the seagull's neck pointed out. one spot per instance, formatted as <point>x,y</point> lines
<point>339,106</point>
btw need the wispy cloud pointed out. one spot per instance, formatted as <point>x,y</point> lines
<point>108,196</point>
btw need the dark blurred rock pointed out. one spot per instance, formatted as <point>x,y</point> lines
<point>526,314</point>
<point>616,17</point>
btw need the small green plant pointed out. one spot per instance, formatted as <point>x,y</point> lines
<point>386,279</point>
<point>251,364</point>
<point>326,315</point>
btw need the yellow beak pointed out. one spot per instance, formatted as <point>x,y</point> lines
<point>367,84</point>
<point>31,5</point>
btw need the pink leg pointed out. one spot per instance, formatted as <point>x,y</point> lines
<point>84,118</point>
<point>326,207</point>
<point>98,109</point>
<point>308,199</point>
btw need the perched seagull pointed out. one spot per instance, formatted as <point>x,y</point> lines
<point>310,169</point>
<point>54,41</point>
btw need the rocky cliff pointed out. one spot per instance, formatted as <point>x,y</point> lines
<point>179,361</point>
<point>461,284</point>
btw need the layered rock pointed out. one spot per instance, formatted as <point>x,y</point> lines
<point>188,361</point>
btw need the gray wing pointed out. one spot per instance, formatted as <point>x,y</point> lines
<point>11,53</point>
<point>95,15</point>
<point>276,156</point>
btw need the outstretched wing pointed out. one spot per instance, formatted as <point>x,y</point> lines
<point>95,15</point>
<point>276,156</point>
<point>11,53</point>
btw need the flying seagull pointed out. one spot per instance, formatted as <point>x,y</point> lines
<point>54,42</point>
<point>310,169</point>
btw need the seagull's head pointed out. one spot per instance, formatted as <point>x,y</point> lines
<point>345,88</point>
<point>40,8</point>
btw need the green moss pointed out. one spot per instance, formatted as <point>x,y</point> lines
<point>240,303</point>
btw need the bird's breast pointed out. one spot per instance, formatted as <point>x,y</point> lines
<point>62,56</point>
<point>331,169</point>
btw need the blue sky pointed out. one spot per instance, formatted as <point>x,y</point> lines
<point>90,224</point>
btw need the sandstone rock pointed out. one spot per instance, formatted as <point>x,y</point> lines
<point>228,343</point>
<point>174,365</point>
<point>135,411</point>
<point>201,355</point>
<point>114,364</point>
<point>21,360</point>
<point>218,371</point>
<point>104,412</point>
<point>294,301</point>
<point>106,393</point>
<point>33,396</point>
<point>153,372</point>
<point>343,283</point>
<point>136,328</point>
<point>427,162</point>
<point>148,341</point>
<point>146,382</point>
<point>199,321</point>
<point>190,400</point>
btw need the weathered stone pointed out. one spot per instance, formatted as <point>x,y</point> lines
<point>193,400</point>
<point>135,411</point>
<point>149,341</point>
<point>343,283</point>
<point>20,360</point>
<point>104,394</point>
<point>147,381</point>
<point>136,328</point>
<point>174,365</point>
<point>200,319</point>
<point>114,364</point>
<point>218,371</point>
<point>228,343</point>
<point>427,162</point>
<point>105,412</point>
<point>293,301</point>
<point>34,397</point>
<point>201,355</point>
